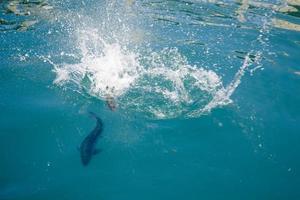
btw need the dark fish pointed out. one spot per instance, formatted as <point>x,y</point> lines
<point>88,145</point>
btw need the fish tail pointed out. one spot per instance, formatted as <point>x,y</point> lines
<point>93,115</point>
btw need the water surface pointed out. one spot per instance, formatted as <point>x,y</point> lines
<point>207,95</point>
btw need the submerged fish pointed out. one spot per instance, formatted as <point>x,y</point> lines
<point>111,103</point>
<point>110,100</point>
<point>88,145</point>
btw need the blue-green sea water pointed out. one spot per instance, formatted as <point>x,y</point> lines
<point>207,96</point>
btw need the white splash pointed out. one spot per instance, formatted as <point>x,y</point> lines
<point>157,83</point>
<point>169,86</point>
<point>222,96</point>
<point>104,68</point>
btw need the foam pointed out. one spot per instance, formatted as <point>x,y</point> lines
<point>222,96</point>
<point>110,69</point>
<point>159,83</point>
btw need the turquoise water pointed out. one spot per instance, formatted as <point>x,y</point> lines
<point>207,95</point>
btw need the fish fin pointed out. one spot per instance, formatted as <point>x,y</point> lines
<point>96,151</point>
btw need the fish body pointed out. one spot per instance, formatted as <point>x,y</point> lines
<point>110,100</point>
<point>111,103</point>
<point>88,145</point>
